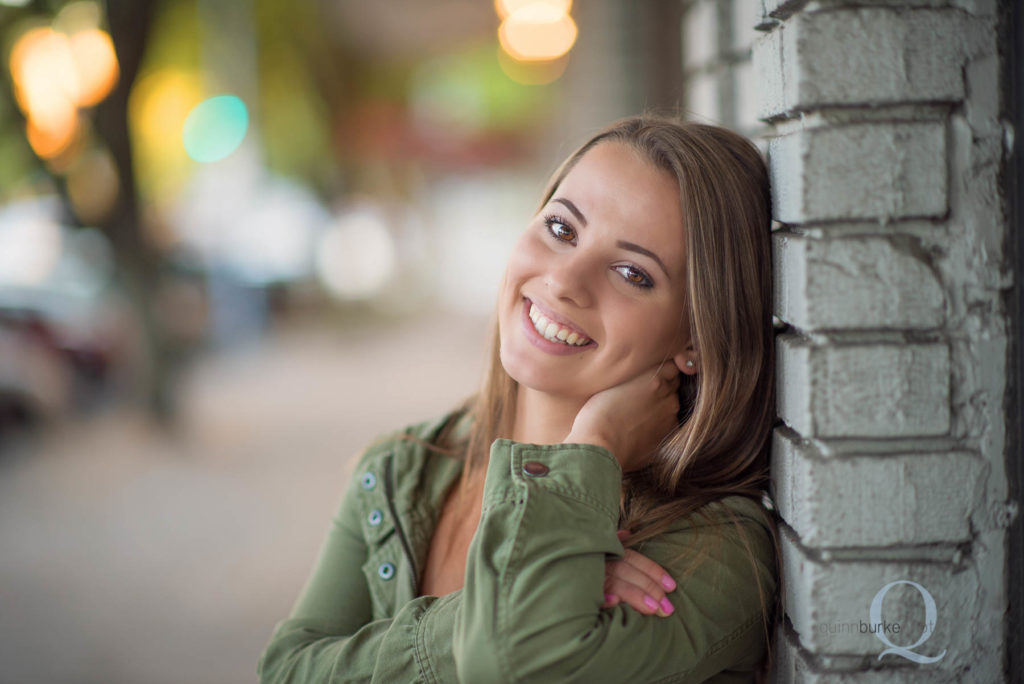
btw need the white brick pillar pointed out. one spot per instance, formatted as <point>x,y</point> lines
<point>885,146</point>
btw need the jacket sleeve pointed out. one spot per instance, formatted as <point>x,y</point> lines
<point>534,583</point>
<point>330,636</point>
<point>530,610</point>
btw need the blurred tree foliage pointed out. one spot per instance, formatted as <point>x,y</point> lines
<point>322,112</point>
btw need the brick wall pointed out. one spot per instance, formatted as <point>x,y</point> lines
<point>882,125</point>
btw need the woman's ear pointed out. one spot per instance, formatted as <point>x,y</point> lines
<point>686,361</point>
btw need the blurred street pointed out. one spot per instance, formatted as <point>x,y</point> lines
<point>133,556</point>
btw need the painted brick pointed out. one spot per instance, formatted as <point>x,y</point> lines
<point>862,282</point>
<point>862,171</point>
<point>792,667</point>
<point>767,59</point>
<point>865,56</point>
<point>827,600</point>
<point>780,9</point>
<point>700,34</point>
<point>746,14</point>
<point>910,498</point>
<point>745,97</point>
<point>863,390</point>
<point>702,101</point>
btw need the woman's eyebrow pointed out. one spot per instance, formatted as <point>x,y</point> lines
<point>633,247</point>
<point>572,207</point>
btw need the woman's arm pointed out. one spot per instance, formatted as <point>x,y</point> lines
<point>532,600</point>
<point>330,635</point>
<point>531,607</point>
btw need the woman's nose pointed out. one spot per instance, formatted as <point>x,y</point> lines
<point>570,278</point>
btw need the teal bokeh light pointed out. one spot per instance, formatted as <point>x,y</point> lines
<point>215,128</point>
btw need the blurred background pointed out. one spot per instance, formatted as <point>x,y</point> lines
<point>238,240</point>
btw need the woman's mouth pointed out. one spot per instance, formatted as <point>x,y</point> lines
<point>555,332</point>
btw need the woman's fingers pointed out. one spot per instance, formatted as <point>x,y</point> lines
<point>618,589</point>
<point>610,600</point>
<point>651,584</point>
<point>652,570</point>
<point>639,582</point>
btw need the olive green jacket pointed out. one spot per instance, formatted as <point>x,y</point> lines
<point>530,609</point>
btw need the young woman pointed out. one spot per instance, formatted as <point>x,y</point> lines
<point>629,401</point>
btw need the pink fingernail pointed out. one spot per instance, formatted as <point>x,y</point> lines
<point>608,598</point>
<point>667,606</point>
<point>650,603</point>
<point>668,582</point>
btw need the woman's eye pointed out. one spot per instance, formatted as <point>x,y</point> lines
<point>560,230</point>
<point>635,277</point>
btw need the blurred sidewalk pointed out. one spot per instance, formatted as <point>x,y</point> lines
<point>131,557</point>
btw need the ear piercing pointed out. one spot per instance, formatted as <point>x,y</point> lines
<point>689,364</point>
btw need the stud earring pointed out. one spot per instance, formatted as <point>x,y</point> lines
<point>689,364</point>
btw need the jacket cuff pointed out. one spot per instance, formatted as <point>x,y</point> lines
<point>582,472</point>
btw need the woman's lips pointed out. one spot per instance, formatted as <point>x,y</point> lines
<point>552,336</point>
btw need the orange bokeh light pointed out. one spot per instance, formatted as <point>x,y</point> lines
<point>96,64</point>
<point>50,143</point>
<point>53,76</point>
<point>537,31</point>
<point>507,7</point>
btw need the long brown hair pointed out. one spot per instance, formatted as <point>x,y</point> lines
<point>720,445</point>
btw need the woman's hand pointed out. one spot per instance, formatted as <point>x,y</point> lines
<point>639,582</point>
<point>632,418</point>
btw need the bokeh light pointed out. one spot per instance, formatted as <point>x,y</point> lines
<point>356,256</point>
<point>507,7</point>
<point>215,128</point>
<point>159,104</point>
<point>30,244</point>
<point>95,64</point>
<point>537,31</point>
<point>55,74</point>
<point>46,89</point>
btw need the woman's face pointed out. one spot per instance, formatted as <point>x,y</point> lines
<point>595,288</point>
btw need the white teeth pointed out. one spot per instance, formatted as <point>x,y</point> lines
<point>554,332</point>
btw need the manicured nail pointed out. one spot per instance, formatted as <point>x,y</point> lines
<point>608,598</point>
<point>668,582</point>
<point>650,603</point>
<point>667,606</point>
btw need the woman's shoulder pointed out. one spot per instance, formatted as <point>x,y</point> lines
<point>734,508</point>
<point>735,532</point>
<point>417,437</point>
<point>724,560</point>
<point>409,456</point>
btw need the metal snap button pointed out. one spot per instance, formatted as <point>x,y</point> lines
<point>375,517</point>
<point>535,469</point>
<point>386,571</point>
<point>369,481</point>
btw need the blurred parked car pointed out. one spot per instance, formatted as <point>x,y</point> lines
<point>62,327</point>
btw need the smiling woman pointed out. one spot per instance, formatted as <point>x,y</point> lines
<point>595,513</point>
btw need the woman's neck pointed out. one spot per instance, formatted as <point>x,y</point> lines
<point>543,418</point>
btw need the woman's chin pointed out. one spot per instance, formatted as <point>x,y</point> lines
<point>537,379</point>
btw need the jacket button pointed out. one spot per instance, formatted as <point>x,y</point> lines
<point>535,469</point>
<point>369,481</point>
<point>386,571</point>
<point>375,517</point>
